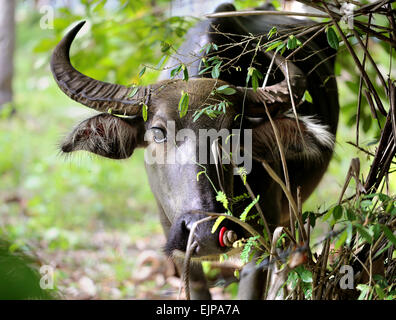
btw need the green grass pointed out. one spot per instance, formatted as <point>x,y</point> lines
<point>78,193</point>
<point>54,203</point>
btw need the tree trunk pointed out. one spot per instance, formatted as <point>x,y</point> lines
<point>7,40</point>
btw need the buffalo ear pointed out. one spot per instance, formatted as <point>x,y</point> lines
<point>309,140</point>
<point>106,135</point>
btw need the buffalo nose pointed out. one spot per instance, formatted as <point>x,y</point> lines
<point>207,243</point>
<point>223,236</point>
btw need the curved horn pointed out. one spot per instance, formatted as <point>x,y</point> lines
<point>277,97</point>
<point>95,94</point>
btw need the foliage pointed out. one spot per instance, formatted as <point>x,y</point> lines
<point>360,222</point>
<point>365,223</point>
<point>135,22</point>
<point>18,276</point>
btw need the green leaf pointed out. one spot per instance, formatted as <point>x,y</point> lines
<point>133,92</point>
<point>197,114</point>
<point>332,38</point>
<point>328,214</point>
<point>165,46</point>
<point>341,240</point>
<point>364,288</point>
<point>141,73</point>
<point>365,204</point>
<point>180,31</point>
<point>388,233</point>
<point>379,291</point>
<point>364,233</point>
<point>281,48</point>
<point>175,71</point>
<point>183,104</point>
<point>159,65</point>
<point>350,215</point>
<point>240,198</point>
<point>293,279</point>
<point>206,48</point>
<point>245,254</point>
<point>144,111</point>
<point>273,46</point>
<point>272,32</point>
<point>254,83</point>
<point>204,70</point>
<point>312,218</point>
<point>221,197</point>
<point>225,89</point>
<point>217,223</point>
<point>350,233</point>
<point>251,70</point>
<point>337,212</point>
<point>243,173</point>
<point>379,252</point>
<point>216,71</point>
<point>185,73</point>
<point>291,42</point>
<point>305,275</point>
<point>307,96</point>
<point>255,75</point>
<point>248,208</point>
<point>376,229</point>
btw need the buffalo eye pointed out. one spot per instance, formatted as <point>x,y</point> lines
<point>159,135</point>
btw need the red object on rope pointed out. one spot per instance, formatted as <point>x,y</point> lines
<point>221,235</point>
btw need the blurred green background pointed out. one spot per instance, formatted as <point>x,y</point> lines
<point>89,217</point>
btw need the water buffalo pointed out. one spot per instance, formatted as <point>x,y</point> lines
<point>150,117</point>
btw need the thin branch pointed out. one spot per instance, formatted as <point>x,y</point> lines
<point>263,13</point>
<point>357,62</point>
<point>368,55</point>
<point>360,89</point>
<point>288,194</point>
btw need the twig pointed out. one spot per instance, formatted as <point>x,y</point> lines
<point>283,159</point>
<point>186,269</point>
<point>324,258</point>
<point>357,62</point>
<point>263,13</point>
<point>288,194</point>
<point>368,55</point>
<point>276,236</point>
<point>360,89</point>
<point>189,251</point>
<point>253,197</point>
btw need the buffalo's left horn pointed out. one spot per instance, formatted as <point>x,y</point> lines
<point>95,94</point>
<point>277,97</point>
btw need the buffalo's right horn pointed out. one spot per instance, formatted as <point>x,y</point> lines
<point>98,95</point>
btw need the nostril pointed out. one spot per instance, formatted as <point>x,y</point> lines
<point>185,227</point>
<point>197,250</point>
